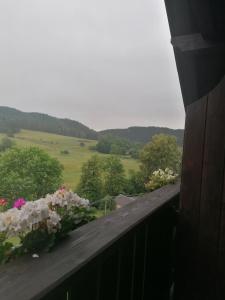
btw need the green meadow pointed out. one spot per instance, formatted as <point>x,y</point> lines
<point>79,152</point>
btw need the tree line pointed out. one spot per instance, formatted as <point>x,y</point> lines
<point>117,146</point>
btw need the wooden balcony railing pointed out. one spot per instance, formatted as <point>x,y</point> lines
<point>125,255</point>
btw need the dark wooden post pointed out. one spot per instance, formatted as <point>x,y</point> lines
<point>197,30</point>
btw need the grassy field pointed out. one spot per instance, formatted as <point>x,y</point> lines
<point>73,161</point>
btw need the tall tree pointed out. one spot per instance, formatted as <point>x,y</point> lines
<point>91,186</point>
<point>160,153</point>
<point>29,173</point>
<point>114,176</point>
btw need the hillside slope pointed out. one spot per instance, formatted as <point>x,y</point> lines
<point>13,120</point>
<point>143,134</point>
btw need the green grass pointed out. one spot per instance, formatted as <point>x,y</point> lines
<point>54,144</point>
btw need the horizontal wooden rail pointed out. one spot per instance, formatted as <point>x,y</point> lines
<point>125,255</point>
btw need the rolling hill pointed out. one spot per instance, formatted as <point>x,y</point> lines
<point>13,120</point>
<point>143,134</point>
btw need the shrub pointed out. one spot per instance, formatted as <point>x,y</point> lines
<point>65,152</point>
<point>107,203</point>
<point>6,144</point>
<point>135,183</point>
<point>160,178</point>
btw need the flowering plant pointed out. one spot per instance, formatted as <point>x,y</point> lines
<point>19,203</point>
<point>160,178</point>
<point>38,225</point>
<point>3,204</point>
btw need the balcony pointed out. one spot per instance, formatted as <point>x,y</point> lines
<point>125,255</point>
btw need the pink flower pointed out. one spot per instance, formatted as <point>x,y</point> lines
<point>62,188</point>
<point>19,203</point>
<point>3,202</point>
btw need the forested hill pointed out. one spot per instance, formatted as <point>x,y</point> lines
<point>143,134</point>
<point>12,120</point>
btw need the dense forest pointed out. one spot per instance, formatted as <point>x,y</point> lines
<point>12,120</point>
<point>143,134</point>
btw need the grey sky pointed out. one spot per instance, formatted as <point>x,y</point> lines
<point>106,63</point>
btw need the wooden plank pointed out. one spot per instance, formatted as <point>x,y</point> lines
<point>127,249</point>
<point>84,284</point>
<point>110,270</point>
<point>187,235</point>
<point>192,42</point>
<point>221,244</point>
<point>211,193</point>
<point>84,244</point>
<point>158,279</point>
<point>141,235</point>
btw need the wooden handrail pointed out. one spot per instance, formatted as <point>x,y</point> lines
<point>122,241</point>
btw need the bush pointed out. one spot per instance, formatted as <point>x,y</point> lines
<point>65,152</point>
<point>135,184</point>
<point>107,203</point>
<point>6,144</point>
<point>29,173</point>
<point>160,178</point>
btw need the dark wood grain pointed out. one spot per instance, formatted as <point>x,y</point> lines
<point>187,237</point>
<point>201,230</point>
<point>212,189</point>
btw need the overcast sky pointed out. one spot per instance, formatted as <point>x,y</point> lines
<point>106,63</point>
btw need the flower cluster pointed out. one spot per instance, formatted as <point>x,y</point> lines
<point>66,199</point>
<point>25,216</point>
<point>45,218</point>
<point>160,178</point>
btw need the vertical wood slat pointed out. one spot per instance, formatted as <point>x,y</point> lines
<point>201,237</point>
<point>134,266</point>
<point>140,254</point>
<point>146,234</point>
<point>108,285</point>
<point>191,180</point>
<point>85,284</point>
<point>158,279</point>
<point>221,244</point>
<point>212,213</point>
<point>126,270</point>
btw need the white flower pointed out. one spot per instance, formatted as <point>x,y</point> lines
<point>53,222</point>
<point>42,212</point>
